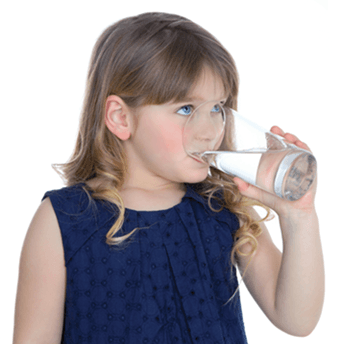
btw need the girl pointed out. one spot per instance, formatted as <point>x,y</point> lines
<point>142,244</point>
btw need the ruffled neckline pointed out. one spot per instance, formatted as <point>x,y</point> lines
<point>190,193</point>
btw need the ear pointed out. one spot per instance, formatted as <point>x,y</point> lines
<point>117,117</point>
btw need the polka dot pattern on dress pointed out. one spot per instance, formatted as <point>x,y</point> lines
<point>167,284</point>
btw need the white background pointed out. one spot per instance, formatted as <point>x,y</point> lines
<point>285,54</point>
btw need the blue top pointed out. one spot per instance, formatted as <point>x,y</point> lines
<point>169,283</point>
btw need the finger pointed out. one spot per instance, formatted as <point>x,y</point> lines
<point>256,193</point>
<point>277,130</point>
<point>241,184</point>
<point>302,145</point>
<point>291,138</point>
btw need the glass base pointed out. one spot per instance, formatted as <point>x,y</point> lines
<point>297,178</point>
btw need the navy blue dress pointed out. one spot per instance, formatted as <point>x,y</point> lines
<point>168,284</point>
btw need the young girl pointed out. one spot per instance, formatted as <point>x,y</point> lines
<point>142,244</point>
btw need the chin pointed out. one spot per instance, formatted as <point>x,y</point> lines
<point>196,177</point>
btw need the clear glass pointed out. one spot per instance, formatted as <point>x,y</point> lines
<point>222,138</point>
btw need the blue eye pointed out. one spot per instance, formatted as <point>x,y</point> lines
<point>185,110</point>
<point>216,108</point>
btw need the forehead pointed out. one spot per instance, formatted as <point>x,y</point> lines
<point>209,86</point>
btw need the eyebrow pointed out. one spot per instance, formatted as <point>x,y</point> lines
<point>199,99</point>
<point>191,99</point>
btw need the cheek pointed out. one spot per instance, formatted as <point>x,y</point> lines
<point>171,137</point>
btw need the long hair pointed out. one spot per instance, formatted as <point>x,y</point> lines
<point>149,59</point>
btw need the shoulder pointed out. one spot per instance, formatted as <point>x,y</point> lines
<point>70,197</point>
<point>75,204</point>
<point>215,207</point>
<point>224,215</point>
<point>44,218</point>
<point>43,233</point>
<point>79,216</point>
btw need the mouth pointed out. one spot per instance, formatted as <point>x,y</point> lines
<point>201,162</point>
<point>196,157</point>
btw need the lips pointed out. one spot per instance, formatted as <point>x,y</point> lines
<point>201,162</point>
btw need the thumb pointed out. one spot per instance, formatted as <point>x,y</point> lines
<point>255,193</point>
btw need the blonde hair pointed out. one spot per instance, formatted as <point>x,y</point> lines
<point>152,58</point>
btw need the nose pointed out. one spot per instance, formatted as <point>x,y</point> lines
<point>206,130</point>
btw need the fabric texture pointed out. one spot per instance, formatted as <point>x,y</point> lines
<point>167,284</point>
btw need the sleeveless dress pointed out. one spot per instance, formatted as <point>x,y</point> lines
<point>167,284</point>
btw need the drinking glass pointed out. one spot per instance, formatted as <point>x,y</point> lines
<point>223,138</point>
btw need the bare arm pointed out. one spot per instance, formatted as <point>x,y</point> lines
<point>301,283</point>
<point>289,287</point>
<point>41,289</point>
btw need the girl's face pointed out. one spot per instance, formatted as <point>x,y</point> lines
<point>155,149</point>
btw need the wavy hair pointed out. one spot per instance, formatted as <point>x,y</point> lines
<point>150,59</point>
